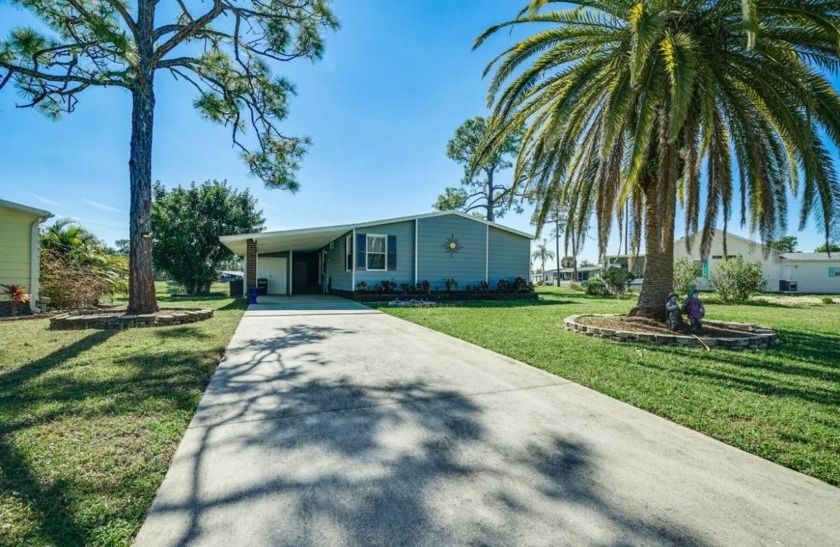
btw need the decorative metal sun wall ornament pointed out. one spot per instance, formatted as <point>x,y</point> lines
<point>452,246</point>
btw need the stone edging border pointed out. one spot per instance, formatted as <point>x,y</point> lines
<point>760,337</point>
<point>88,319</point>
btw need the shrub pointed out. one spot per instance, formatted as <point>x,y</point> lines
<point>735,280</point>
<point>827,300</point>
<point>362,286</point>
<point>575,286</point>
<point>407,288</point>
<point>596,286</point>
<point>686,272</point>
<point>483,287</point>
<point>78,272</point>
<point>450,284</point>
<point>17,296</point>
<point>504,286</point>
<point>617,281</point>
<point>522,285</point>
<point>424,287</point>
<point>388,286</point>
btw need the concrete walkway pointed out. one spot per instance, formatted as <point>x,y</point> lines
<point>328,423</point>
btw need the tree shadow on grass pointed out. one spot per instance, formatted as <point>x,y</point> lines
<point>82,389</point>
<point>791,369</point>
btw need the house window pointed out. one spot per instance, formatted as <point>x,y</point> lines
<point>377,252</point>
<point>833,271</point>
<point>348,253</point>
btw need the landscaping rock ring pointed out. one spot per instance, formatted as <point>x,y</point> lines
<point>739,335</point>
<point>97,319</point>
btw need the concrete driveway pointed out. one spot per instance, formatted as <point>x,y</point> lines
<point>328,423</point>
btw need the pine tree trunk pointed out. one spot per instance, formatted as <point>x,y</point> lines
<point>658,278</point>
<point>491,202</point>
<point>141,281</point>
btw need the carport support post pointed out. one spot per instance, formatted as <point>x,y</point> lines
<point>251,264</point>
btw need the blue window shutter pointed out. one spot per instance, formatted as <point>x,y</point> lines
<point>392,253</point>
<point>361,255</point>
<point>832,271</point>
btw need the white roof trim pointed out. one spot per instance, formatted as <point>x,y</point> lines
<point>811,257</point>
<point>25,209</point>
<point>237,241</point>
<point>734,236</point>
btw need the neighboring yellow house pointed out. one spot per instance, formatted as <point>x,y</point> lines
<point>19,248</point>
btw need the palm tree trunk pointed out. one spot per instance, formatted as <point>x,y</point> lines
<point>557,248</point>
<point>658,278</point>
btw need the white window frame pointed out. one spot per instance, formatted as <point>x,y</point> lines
<point>368,253</point>
<point>349,256</point>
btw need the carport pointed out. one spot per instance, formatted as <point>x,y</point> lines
<point>290,261</point>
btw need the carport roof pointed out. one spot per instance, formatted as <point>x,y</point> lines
<point>310,239</point>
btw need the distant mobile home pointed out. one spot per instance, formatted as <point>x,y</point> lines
<point>19,249</point>
<point>814,273</point>
<point>431,247</point>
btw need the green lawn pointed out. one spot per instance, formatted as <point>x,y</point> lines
<point>89,421</point>
<point>782,404</point>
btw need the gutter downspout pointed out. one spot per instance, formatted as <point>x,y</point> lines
<point>35,261</point>
<point>353,265</point>
<point>416,254</point>
<point>487,256</point>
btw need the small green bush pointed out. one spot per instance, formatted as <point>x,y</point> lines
<point>596,287</point>
<point>827,300</point>
<point>617,281</point>
<point>575,286</point>
<point>735,280</point>
<point>686,272</point>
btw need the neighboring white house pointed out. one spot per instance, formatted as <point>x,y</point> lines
<point>786,272</point>
<point>19,248</point>
<point>567,275</point>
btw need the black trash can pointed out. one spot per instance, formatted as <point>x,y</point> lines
<point>236,286</point>
<point>262,285</point>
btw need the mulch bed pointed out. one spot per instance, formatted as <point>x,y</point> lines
<point>649,326</point>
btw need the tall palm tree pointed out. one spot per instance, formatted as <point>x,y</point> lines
<point>542,254</point>
<point>660,103</point>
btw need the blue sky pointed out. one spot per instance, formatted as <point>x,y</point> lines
<point>396,81</point>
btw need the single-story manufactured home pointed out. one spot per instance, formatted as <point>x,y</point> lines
<point>815,273</point>
<point>20,255</point>
<point>784,272</point>
<point>431,248</point>
<point>567,275</point>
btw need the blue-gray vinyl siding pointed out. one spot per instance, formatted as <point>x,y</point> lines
<point>336,260</point>
<point>404,232</point>
<point>510,256</point>
<point>467,266</point>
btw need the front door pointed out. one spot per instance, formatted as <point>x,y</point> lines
<point>273,268</point>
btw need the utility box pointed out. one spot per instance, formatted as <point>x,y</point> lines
<point>236,287</point>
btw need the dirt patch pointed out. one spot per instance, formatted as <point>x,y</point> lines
<point>648,326</point>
